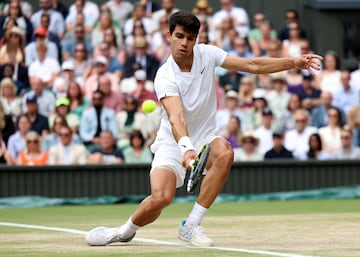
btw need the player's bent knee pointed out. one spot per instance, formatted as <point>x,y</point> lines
<point>161,201</point>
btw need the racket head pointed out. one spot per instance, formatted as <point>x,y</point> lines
<point>198,168</point>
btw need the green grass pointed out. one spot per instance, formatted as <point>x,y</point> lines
<point>272,226</point>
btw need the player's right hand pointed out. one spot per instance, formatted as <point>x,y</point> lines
<point>187,158</point>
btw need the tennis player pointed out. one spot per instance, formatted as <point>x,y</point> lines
<point>184,86</point>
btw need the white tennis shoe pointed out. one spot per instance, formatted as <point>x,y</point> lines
<point>101,236</point>
<point>194,234</point>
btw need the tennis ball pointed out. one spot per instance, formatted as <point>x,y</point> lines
<point>148,106</point>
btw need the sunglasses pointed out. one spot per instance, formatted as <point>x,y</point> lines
<point>35,141</point>
<point>64,134</point>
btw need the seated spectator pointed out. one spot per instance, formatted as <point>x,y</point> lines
<point>353,121</point>
<point>16,141</point>
<point>39,123</point>
<point>128,85</point>
<point>66,76</point>
<point>78,101</point>
<point>286,121</point>
<point>96,119</point>
<point>264,131</point>
<point>248,152</point>
<point>50,35</point>
<point>53,138</point>
<point>330,134</point>
<point>45,98</point>
<point>278,151</point>
<point>15,43</point>
<point>246,91</point>
<point>33,153</point>
<point>294,80</point>
<point>253,115</point>
<point>297,139</point>
<point>112,99</point>
<point>233,132</point>
<point>329,78</point>
<point>114,66</point>
<point>7,127</point>
<point>141,93</point>
<point>4,154</point>
<point>107,152</point>
<point>68,45</point>
<point>315,148</point>
<point>30,50</point>
<point>18,73</point>
<point>137,152</point>
<point>10,102</point>
<point>347,151</point>
<point>120,10</point>
<point>91,83</point>
<point>63,110</point>
<point>319,117</point>
<point>45,68</point>
<point>66,152</point>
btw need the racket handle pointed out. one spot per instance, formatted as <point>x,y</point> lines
<point>191,163</point>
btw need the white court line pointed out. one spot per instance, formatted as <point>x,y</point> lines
<point>144,240</point>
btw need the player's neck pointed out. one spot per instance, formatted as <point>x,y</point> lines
<point>185,64</point>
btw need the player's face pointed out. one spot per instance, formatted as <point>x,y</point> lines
<point>181,43</point>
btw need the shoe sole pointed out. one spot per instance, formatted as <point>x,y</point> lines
<point>194,244</point>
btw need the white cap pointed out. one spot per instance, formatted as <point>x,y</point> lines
<point>68,65</point>
<point>232,94</point>
<point>259,93</point>
<point>140,75</point>
<point>101,59</point>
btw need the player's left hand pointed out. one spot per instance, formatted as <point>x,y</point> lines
<point>308,62</point>
<point>188,157</point>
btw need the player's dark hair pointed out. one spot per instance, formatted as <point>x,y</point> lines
<point>187,20</point>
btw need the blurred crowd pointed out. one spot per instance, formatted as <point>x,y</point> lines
<point>73,79</point>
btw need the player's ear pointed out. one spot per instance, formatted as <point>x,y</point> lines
<point>168,36</point>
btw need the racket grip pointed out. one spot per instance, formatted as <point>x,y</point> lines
<point>191,163</point>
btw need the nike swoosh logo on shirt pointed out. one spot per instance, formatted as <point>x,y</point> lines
<point>203,70</point>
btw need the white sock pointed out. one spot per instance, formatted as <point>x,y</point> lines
<point>128,229</point>
<point>197,214</point>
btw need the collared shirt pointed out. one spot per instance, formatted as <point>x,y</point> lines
<point>46,102</point>
<point>346,99</point>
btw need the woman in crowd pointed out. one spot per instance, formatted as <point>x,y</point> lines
<point>249,151</point>
<point>14,43</point>
<point>83,66</point>
<point>286,121</point>
<point>6,125</point>
<point>10,102</point>
<point>331,134</point>
<point>33,153</point>
<point>316,149</point>
<point>137,152</point>
<point>233,132</point>
<point>16,141</point>
<point>78,101</point>
<point>328,79</point>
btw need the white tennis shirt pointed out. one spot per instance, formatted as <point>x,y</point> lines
<point>197,91</point>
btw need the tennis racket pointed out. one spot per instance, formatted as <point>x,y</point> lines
<point>197,168</point>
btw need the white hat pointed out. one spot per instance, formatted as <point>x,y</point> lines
<point>101,59</point>
<point>232,94</point>
<point>140,75</point>
<point>259,93</point>
<point>68,65</point>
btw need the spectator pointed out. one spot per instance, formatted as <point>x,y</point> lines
<point>346,96</point>
<point>279,97</point>
<point>14,11</point>
<point>291,47</point>
<point>231,109</point>
<point>82,62</point>
<point>7,127</point>
<point>253,115</point>
<point>53,137</point>
<point>161,46</point>
<point>141,93</point>
<point>60,7</point>
<point>297,139</point>
<point>319,116</point>
<point>329,78</point>
<point>96,119</point>
<point>265,131</point>
<point>130,84</point>
<point>10,102</point>
<point>78,101</point>
<point>63,110</point>
<point>139,15</point>
<point>90,9</point>
<point>57,24</point>
<point>114,66</point>
<point>46,99</point>
<point>71,19</point>
<point>265,44</point>
<point>105,22</point>
<point>138,30</point>
<point>68,45</point>
<point>30,50</point>
<point>248,152</point>
<point>278,151</point>
<point>17,72</point>
<point>310,96</point>
<point>167,8</point>
<point>204,12</point>
<point>286,121</point>
<point>39,123</point>
<point>141,57</point>
<point>247,88</point>
<point>92,82</point>
<point>51,36</point>
<point>4,154</point>
<point>353,121</point>
<point>130,119</point>
<point>45,68</point>
<point>226,33</point>
<point>294,80</point>
<point>107,152</point>
<point>33,153</point>
<point>66,152</point>
<point>291,16</point>
<point>137,152</point>
<point>16,141</point>
<point>151,7</point>
<point>347,151</point>
<point>112,99</point>
<point>240,48</point>
<point>316,149</point>
<point>62,82</point>
<point>233,132</point>
<point>120,10</point>
<point>238,14</point>
<point>15,43</point>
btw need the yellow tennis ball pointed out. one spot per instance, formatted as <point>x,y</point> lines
<point>148,106</point>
